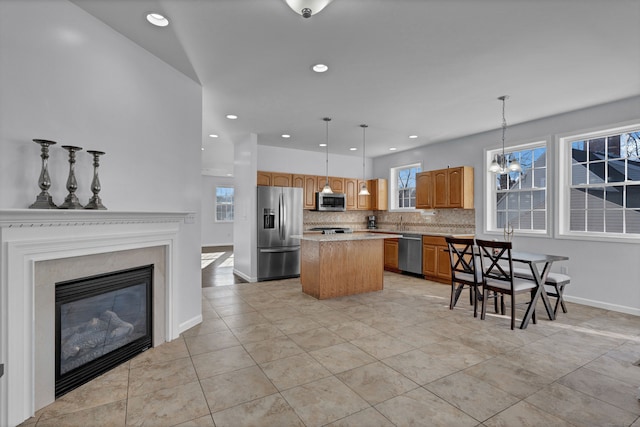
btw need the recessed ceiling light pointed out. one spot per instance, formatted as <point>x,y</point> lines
<point>231,116</point>
<point>320,68</point>
<point>202,148</point>
<point>392,149</point>
<point>213,135</point>
<point>352,149</point>
<point>323,145</point>
<point>413,136</point>
<point>284,135</point>
<point>157,19</point>
<point>229,174</point>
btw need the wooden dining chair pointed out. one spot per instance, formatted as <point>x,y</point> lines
<point>498,277</point>
<point>465,271</point>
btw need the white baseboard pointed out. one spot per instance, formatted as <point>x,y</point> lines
<point>190,323</point>
<point>244,276</point>
<point>603,305</point>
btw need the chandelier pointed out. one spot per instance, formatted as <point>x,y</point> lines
<point>500,163</point>
<point>363,190</point>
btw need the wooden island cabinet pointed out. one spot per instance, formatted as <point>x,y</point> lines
<point>334,265</point>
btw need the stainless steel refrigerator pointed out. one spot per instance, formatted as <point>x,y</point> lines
<point>279,218</point>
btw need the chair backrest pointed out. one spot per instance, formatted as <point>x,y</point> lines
<point>462,255</point>
<point>495,259</point>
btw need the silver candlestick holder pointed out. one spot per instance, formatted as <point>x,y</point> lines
<point>44,200</point>
<point>95,202</point>
<point>71,201</point>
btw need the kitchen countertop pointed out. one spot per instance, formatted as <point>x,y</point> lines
<point>422,233</point>
<point>338,237</point>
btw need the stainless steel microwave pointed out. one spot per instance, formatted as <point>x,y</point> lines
<point>331,202</point>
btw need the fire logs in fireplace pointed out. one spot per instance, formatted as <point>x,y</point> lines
<point>101,321</point>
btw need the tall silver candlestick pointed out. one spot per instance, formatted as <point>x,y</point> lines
<point>44,200</point>
<point>95,202</point>
<point>71,201</point>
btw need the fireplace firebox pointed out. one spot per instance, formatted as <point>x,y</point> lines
<point>101,322</point>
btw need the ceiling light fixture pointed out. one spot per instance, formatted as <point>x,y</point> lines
<point>320,68</point>
<point>500,163</point>
<point>352,149</point>
<point>157,19</point>
<point>285,136</point>
<point>413,136</point>
<point>363,188</point>
<point>392,149</point>
<point>306,8</point>
<point>327,188</point>
<point>213,135</point>
<point>231,116</point>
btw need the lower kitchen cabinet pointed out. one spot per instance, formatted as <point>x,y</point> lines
<point>391,255</point>
<point>435,259</point>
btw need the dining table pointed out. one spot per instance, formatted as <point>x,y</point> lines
<point>534,260</point>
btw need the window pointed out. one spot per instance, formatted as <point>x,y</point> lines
<point>603,183</point>
<point>403,186</point>
<point>519,199</point>
<point>224,204</point>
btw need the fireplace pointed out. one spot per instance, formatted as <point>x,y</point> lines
<point>39,248</point>
<point>101,322</point>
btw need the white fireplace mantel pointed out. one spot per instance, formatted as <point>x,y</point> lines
<point>28,236</point>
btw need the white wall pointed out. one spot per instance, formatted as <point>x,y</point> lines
<point>245,242</point>
<point>603,274</point>
<point>66,76</point>
<point>214,233</point>
<point>277,159</point>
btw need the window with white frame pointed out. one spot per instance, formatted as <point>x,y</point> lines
<point>403,186</point>
<point>603,183</point>
<point>224,204</point>
<point>518,200</point>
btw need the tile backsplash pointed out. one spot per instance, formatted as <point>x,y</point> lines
<point>455,221</point>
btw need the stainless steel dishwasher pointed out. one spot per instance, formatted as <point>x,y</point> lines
<point>410,253</point>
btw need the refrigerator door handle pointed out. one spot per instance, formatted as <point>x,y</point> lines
<point>280,215</point>
<point>284,218</point>
<point>277,250</point>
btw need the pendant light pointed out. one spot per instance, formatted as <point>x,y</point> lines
<point>499,164</point>
<point>327,188</point>
<point>363,189</point>
<point>306,8</point>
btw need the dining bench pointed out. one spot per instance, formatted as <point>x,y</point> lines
<point>555,280</point>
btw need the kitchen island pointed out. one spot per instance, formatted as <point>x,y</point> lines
<point>334,265</point>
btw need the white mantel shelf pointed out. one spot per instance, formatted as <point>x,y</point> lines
<point>80,217</point>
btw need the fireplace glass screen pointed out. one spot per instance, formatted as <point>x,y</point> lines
<point>101,321</point>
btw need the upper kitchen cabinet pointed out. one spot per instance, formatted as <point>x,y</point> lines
<point>337,184</point>
<point>379,194</point>
<point>363,202</point>
<point>445,188</point>
<point>275,179</point>
<point>264,178</point>
<point>351,187</point>
<point>281,179</point>
<point>424,190</point>
<point>309,184</point>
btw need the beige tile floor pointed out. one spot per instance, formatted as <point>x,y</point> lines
<point>268,355</point>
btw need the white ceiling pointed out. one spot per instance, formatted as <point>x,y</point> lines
<point>432,68</point>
